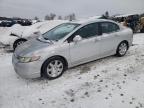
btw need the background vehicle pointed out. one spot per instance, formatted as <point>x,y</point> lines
<point>24,22</point>
<point>71,44</point>
<point>18,34</point>
<point>142,25</point>
<point>129,20</point>
<point>7,23</point>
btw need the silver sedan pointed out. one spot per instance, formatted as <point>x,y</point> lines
<point>70,44</point>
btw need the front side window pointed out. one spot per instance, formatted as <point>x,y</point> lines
<point>60,31</point>
<point>108,27</point>
<point>87,31</point>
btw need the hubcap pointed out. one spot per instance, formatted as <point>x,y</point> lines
<point>122,48</point>
<point>55,68</point>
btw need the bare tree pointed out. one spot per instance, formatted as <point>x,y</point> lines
<point>36,18</point>
<point>60,17</point>
<point>47,17</point>
<point>51,16</point>
<point>70,17</point>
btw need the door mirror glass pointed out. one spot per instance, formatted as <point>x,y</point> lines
<point>77,38</point>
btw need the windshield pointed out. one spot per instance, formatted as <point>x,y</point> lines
<point>60,31</point>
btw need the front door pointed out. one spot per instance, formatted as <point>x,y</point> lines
<point>86,49</point>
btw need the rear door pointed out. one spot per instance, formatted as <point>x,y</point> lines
<point>109,39</point>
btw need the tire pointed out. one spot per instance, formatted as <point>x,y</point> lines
<point>18,42</point>
<point>50,70</point>
<point>122,49</point>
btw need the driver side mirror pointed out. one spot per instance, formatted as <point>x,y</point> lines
<point>77,38</point>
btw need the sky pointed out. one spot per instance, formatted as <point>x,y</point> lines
<point>82,8</point>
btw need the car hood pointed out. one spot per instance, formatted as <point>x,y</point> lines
<point>31,47</point>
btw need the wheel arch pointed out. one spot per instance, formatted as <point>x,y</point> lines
<point>18,40</point>
<point>126,41</point>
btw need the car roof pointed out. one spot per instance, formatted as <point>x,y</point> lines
<point>86,21</point>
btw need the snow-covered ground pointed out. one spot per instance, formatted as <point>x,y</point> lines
<point>111,82</point>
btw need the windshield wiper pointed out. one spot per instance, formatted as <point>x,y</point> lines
<point>48,39</point>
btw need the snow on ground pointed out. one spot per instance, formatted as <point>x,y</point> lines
<point>111,82</point>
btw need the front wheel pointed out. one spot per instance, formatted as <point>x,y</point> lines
<point>53,68</point>
<point>122,49</point>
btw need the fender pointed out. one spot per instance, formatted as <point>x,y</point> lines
<point>13,34</point>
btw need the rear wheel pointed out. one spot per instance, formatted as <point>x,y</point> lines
<point>122,49</point>
<point>53,68</point>
<point>18,42</point>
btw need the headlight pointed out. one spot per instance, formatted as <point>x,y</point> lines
<point>28,59</point>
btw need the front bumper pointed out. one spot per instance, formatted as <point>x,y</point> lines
<point>27,70</point>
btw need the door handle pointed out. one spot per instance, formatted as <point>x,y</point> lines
<point>97,39</point>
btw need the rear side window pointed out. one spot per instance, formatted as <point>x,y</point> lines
<point>108,27</point>
<point>88,31</point>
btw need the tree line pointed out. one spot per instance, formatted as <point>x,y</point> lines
<point>53,16</point>
<point>72,16</point>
